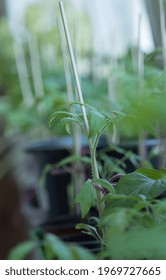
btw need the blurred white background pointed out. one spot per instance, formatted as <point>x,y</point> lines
<point>114,23</point>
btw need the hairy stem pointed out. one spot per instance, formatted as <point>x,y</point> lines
<point>95,175</point>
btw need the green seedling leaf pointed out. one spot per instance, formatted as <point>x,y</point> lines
<point>136,183</point>
<point>94,220</point>
<point>21,251</point>
<point>90,230</point>
<point>71,159</point>
<point>138,243</point>
<point>150,173</point>
<point>46,170</point>
<point>152,131</point>
<point>110,124</point>
<point>142,205</point>
<point>118,219</point>
<point>55,248</point>
<point>86,198</point>
<point>163,171</point>
<point>96,122</point>
<point>110,127</point>
<point>67,122</point>
<point>68,128</point>
<point>110,166</point>
<point>79,253</point>
<point>83,104</point>
<point>160,209</point>
<point>119,200</point>
<point>132,157</point>
<point>59,116</point>
<point>119,114</point>
<point>106,185</point>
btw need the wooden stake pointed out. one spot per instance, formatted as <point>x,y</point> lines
<point>77,177</point>
<point>23,74</point>
<point>162,141</point>
<point>95,171</point>
<point>79,91</point>
<point>140,60</point>
<point>66,65</point>
<point>142,135</point>
<point>36,67</point>
<point>163,35</point>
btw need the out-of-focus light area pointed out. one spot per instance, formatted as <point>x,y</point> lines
<point>114,24</point>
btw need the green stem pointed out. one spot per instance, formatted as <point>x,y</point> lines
<point>95,175</point>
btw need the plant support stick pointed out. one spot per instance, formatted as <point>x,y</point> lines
<point>23,74</point>
<point>163,34</point>
<point>77,177</point>
<point>162,140</point>
<point>140,60</point>
<point>74,65</point>
<point>142,134</point>
<point>80,97</point>
<point>35,65</point>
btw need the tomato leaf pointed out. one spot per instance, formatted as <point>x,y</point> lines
<point>86,198</point>
<point>21,251</point>
<point>105,184</point>
<point>136,183</point>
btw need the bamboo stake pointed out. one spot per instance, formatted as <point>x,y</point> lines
<point>79,91</point>
<point>80,97</point>
<point>140,60</point>
<point>37,75</point>
<point>142,136</point>
<point>77,176</point>
<point>80,177</point>
<point>163,34</point>
<point>66,66</point>
<point>162,144</point>
<point>115,139</point>
<point>23,74</point>
<point>35,65</point>
<point>111,80</point>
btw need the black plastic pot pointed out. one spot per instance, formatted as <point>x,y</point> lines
<point>56,184</point>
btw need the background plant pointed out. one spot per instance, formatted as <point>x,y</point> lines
<point>129,210</point>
